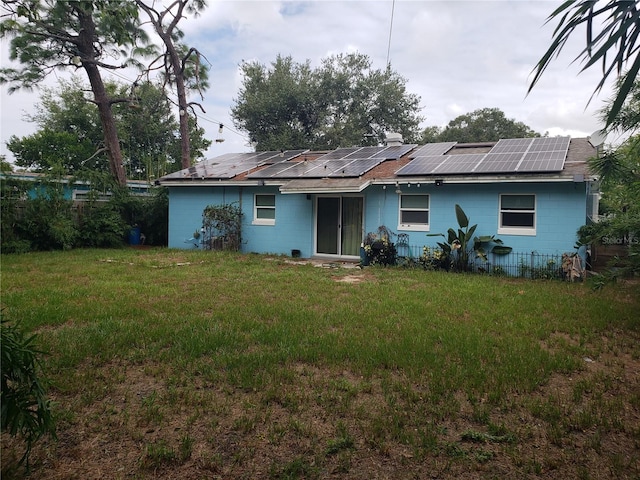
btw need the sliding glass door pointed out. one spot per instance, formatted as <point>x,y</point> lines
<point>339,225</point>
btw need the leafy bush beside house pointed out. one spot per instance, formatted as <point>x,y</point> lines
<point>12,192</point>
<point>222,227</point>
<point>25,409</point>
<point>463,249</point>
<point>379,248</point>
<point>48,220</point>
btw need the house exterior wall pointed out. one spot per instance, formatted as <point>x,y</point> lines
<point>293,228</point>
<point>560,211</point>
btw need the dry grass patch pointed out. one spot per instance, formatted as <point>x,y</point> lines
<point>243,366</point>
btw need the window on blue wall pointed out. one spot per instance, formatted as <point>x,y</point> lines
<point>517,214</point>
<point>414,212</point>
<point>264,209</point>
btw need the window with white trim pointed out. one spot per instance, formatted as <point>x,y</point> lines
<point>414,212</point>
<point>517,214</point>
<point>264,209</point>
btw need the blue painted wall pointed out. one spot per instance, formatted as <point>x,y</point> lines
<point>560,211</point>
<point>293,227</point>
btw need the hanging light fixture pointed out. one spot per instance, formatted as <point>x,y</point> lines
<point>220,139</point>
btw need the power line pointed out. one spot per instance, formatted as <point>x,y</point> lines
<point>393,5</point>
<point>200,116</point>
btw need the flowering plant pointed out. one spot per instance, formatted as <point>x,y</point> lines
<point>379,248</point>
<point>434,258</point>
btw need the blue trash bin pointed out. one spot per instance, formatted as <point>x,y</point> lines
<point>134,236</point>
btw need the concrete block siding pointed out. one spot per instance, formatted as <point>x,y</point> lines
<point>560,211</point>
<point>293,228</point>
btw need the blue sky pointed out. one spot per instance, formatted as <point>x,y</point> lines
<point>457,55</point>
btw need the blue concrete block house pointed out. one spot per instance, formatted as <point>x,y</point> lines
<point>532,193</point>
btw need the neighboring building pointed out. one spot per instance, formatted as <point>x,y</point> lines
<point>533,194</point>
<point>76,190</point>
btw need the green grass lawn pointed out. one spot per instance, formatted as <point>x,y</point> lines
<point>189,364</point>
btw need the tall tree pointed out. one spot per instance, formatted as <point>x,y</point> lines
<point>152,138</point>
<point>49,35</point>
<point>482,125</point>
<point>182,66</point>
<point>70,129</point>
<point>359,104</point>
<point>47,148</point>
<point>344,102</point>
<point>612,30</point>
<point>276,106</point>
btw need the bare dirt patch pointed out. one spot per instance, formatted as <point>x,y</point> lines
<point>350,279</point>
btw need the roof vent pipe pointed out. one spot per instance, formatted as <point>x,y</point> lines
<point>393,139</point>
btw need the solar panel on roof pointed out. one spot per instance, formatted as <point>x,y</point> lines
<point>512,145</point>
<point>499,163</point>
<point>422,165</point>
<point>550,144</point>
<point>394,152</point>
<point>271,170</point>
<point>344,167</point>
<point>433,149</point>
<point>545,155</point>
<point>339,153</point>
<point>460,163</point>
<point>295,169</point>
<point>365,152</point>
<point>231,164</point>
<point>542,161</point>
<point>356,167</point>
<point>507,156</point>
<point>265,157</point>
<point>324,169</point>
<point>287,155</point>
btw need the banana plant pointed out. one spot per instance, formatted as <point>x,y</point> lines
<point>462,247</point>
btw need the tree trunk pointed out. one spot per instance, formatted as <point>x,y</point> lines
<point>88,56</point>
<point>111,140</point>
<point>176,64</point>
<point>165,32</point>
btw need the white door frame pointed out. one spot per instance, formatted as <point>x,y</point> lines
<point>340,197</point>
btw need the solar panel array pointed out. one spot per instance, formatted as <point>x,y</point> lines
<point>433,149</point>
<point>231,164</point>
<point>506,156</point>
<point>342,162</point>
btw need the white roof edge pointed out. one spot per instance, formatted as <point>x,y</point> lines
<point>208,183</point>
<point>386,181</point>
<point>445,179</point>
<point>326,189</point>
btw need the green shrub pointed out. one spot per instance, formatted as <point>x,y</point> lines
<point>16,246</point>
<point>25,410</point>
<point>12,193</point>
<point>155,221</point>
<point>48,224</point>
<point>379,247</point>
<point>222,226</point>
<point>102,226</point>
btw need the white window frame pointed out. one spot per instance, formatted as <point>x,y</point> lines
<point>416,227</point>
<point>256,208</point>
<point>515,230</point>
